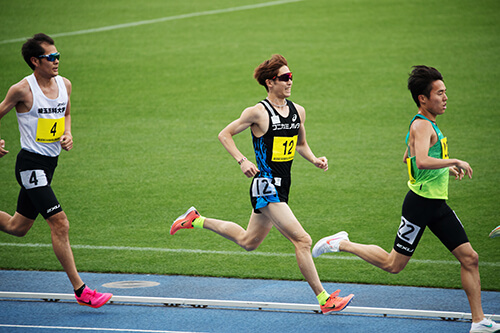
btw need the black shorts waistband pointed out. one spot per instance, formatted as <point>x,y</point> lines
<point>37,158</point>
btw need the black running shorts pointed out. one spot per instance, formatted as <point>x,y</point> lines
<point>419,212</point>
<point>265,190</point>
<point>34,173</point>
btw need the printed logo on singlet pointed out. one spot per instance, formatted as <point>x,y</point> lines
<point>59,109</point>
<point>278,127</point>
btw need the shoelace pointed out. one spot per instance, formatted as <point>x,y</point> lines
<point>92,293</point>
<point>489,318</point>
<point>333,295</point>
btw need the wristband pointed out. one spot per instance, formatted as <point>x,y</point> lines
<point>242,160</point>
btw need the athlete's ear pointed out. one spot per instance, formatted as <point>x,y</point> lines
<point>422,99</point>
<point>269,83</point>
<point>35,61</point>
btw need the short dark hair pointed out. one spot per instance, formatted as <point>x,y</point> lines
<point>33,47</point>
<point>269,69</point>
<point>420,81</point>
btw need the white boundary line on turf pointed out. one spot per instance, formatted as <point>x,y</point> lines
<point>232,253</point>
<point>158,20</point>
<point>358,310</point>
<point>76,328</point>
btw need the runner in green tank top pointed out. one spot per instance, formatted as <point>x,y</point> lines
<point>429,183</point>
<point>425,205</point>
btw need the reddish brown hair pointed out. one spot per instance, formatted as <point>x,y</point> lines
<point>269,69</point>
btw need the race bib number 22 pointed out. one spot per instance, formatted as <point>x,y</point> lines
<point>408,231</point>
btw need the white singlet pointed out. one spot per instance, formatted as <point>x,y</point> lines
<point>42,127</point>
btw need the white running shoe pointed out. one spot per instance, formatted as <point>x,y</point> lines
<point>329,244</point>
<point>485,325</point>
<point>495,232</point>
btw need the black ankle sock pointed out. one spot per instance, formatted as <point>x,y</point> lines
<point>79,291</point>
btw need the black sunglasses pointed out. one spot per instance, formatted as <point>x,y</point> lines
<point>284,77</point>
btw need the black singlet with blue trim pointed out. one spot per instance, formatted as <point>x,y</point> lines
<point>274,153</point>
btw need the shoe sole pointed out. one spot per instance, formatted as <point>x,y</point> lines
<point>335,310</point>
<point>183,216</point>
<point>495,232</point>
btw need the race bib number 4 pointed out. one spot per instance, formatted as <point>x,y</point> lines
<point>284,148</point>
<point>33,178</point>
<point>49,130</point>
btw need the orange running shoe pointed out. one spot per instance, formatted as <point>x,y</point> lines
<point>336,303</point>
<point>185,221</point>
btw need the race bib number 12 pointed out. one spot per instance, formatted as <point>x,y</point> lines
<point>284,148</point>
<point>262,187</point>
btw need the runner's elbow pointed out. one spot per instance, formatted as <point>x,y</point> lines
<point>223,136</point>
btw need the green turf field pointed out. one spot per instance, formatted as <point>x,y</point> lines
<point>149,100</point>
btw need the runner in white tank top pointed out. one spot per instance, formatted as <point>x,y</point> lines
<point>42,102</point>
<point>42,127</point>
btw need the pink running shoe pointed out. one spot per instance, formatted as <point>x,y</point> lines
<point>92,298</point>
<point>185,221</point>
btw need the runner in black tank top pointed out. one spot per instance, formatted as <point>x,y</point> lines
<point>274,152</point>
<point>278,131</point>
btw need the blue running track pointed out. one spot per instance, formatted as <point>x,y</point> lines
<point>67,316</point>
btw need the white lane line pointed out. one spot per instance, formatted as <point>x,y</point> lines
<point>234,305</point>
<point>232,253</point>
<point>158,20</point>
<point>75,328</point>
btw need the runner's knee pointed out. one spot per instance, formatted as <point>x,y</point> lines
<point>59,224</point>
<point>394,264</point>
<point>394,269</point>
<point>470,260</point>
<point>303,242</point>
<point>249,247</point>
<point>19,231</point>
<point>16,225</point>
<point>250,244</point>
